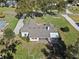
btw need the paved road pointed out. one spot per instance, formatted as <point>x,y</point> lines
<point>71,21</point>
<point>18,26</point>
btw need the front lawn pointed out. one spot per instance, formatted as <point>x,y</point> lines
<point>68,37</point>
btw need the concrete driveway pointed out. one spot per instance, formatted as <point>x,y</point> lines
<point>18,26</point>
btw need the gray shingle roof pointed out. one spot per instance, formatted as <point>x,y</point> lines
<point>35,30</point>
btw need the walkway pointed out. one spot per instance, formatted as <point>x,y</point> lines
<point>71,21</point>
<point>18,26</point>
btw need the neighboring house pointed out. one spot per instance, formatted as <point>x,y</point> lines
<point>11,3</point>
<point>36,32</point>
<point>2,4</point>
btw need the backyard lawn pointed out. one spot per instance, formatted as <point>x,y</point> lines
<point>29,50</point>
<point>68,37</point>
<point>75,18</point>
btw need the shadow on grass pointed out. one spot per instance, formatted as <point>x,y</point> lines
<point>55,49</point>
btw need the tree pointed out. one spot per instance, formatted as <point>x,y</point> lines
<point>73,51</point>
<point>7,52</point>
<point>26,6</point>
<point>9,45</point>
<point>1,0</point>
<point>61,6</point>
<point>56,48</point>
<point>70,1</point>
<point>8,56</point>
<point>9,34</point>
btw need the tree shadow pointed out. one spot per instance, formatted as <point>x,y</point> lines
<point>55,48</point>
<point>12,48</point>
<point>44,52</point>
<point>8,56</point>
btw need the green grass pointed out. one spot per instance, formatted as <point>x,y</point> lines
<point>68,37</point>
<point>29,51</point>
<point>6,9</point>
<point>11,20</point>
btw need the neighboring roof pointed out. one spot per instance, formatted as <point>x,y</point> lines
<point>36,30</point>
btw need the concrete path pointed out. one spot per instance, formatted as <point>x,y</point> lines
<point>71,21</point>
<point>18,26</point>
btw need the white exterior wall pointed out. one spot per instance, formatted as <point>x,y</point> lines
<point>24,34</point>
<point>34,39</point>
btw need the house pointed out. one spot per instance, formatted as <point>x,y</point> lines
<point>11,3</point>
<point>36,32</point>
<point>8,3</point>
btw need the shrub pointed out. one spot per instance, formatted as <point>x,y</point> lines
<point>8,33</point>
<point>65,29</point>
